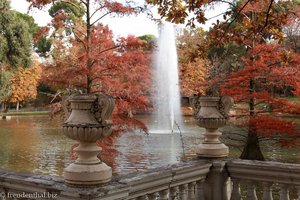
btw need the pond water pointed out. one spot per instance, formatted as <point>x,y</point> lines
<point>37,144</point>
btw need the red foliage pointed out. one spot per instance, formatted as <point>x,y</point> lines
<point>269,67</point>
<point>116,7</point>
<point>118,69</point>
<point>41,32</point>
<point>39,3</point>
<point>59,20</point>
<point>254,21</point>
<point>269,126</point>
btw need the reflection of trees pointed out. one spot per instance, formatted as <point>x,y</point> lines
<point>33,144</point>
<point>19,138</point>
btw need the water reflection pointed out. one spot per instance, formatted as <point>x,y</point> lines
<point>33,144</point>
<point>37,144</point>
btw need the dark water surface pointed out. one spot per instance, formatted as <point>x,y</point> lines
<point>37,144</point>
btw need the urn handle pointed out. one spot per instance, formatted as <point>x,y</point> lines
<point>66,106</point>
<point>226,104</point>
<point>103,108</point>
<point>195,103</point>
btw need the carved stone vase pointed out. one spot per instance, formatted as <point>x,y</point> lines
<point>87,121</point>
<point>211,113</point>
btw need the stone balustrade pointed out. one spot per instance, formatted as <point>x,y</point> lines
<point>270,179</point>
<point>199,179</point>
<point>182,181</point>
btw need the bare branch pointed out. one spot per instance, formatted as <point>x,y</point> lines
<point>111,48</point>
<point>237,14</point>
<point>267,16</point>
<point>101,18</point>
<point>83,2</point>
<point>216,16</point>
<point>223,1</point>
<point>79,39</point>
<point>101,7</point>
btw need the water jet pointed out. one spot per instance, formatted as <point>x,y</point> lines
<point>168,112</point>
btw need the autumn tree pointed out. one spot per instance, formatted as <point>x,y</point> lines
<point>24,84</point>
<point>90,60</point>
<point>268,67</point>
<point>193,62</point>
<point>15,46</point>
<point>67,12</point>
<point>122,73</point>
<point>251,81</point>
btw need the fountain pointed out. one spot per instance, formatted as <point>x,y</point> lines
<point>168,114</point>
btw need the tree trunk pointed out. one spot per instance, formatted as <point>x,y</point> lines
<point>252,149</point>
<point>2,106</point>
<point>18,105</point>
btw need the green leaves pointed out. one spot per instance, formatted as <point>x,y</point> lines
<point>5,90</point>
<point>15,47</point>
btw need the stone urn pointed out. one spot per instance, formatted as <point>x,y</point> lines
<point>211,113</point>
<point>86,122</point>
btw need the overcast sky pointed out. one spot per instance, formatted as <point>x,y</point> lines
<point>134,25</point>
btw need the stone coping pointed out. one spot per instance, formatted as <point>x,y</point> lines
<point>119,188</point>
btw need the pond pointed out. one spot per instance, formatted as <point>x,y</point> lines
<point>36,144</point>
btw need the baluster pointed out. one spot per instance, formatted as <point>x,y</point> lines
<point>236,191</point>
<point>284,192</point>
<point>200,189</point>
<point>141,198</point>
<point>173,193</point>
<point>191,191</point>
<point>163,195</point>
<point>251,192</point>
<point>183,192</point>
<point>267,194</point>
<point>298,192</point>
<point>152,196</point>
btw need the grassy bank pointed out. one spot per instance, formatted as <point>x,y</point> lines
<point>29,113</point>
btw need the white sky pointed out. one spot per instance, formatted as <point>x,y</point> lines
<point>134,25</point>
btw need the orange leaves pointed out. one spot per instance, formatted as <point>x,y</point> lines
<point>192,77</point>
<point>193,62</point>
<point>24,83</point>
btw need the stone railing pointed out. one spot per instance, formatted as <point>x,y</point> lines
<point>264,180</point>
<point>201,179</point>
<point>180,181</point>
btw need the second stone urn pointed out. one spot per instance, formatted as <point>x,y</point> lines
<point>211,113</point>
<point>87,121</point>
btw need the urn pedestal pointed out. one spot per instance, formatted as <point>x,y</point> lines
<point>86,123</point>
<point>211,113</point>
